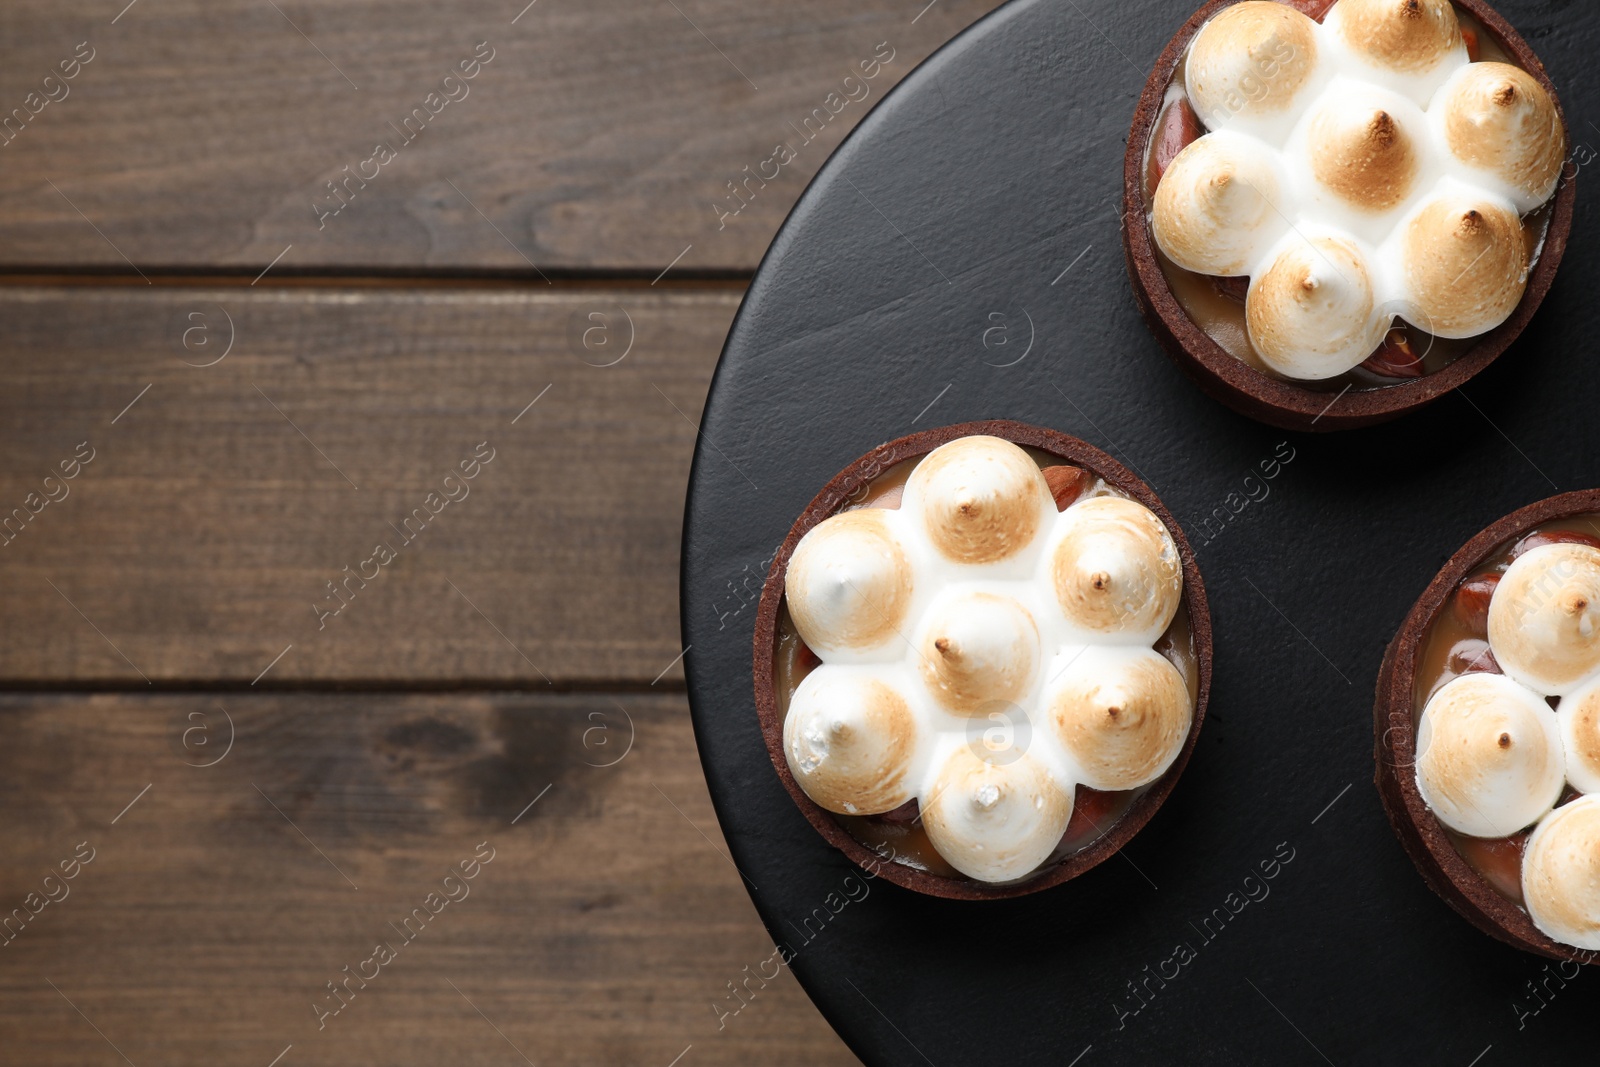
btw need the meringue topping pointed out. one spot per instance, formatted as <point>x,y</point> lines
<point>1123,714</point>
<point>1311,315</point>
<point>1215,205</point>
<point>849,582</point>
<point>849,739</point>
<point>1364,155</point>
<point>995,822</point>
<point>1115,570</point>
<point>1466,265</point>
<point>982,499</point>
<point>979,648</point>
<point>1367,170</point>
<point>1499,118</point>
<point>1561,874</point>
<point>1579,717</point>
<point>1489,759</point>
<point>1251,62</point>
<point>1544,618</point>
<point>1406,36</point>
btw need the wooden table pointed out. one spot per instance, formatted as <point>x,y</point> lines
<point>352,362</point>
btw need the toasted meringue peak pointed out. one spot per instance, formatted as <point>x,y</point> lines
<point>1311,314</point>
<point>1406,36</point>
<point>1544,617</point>
<point>849,739</point>
<point>1466,266</point>
<point>1123,714</point>
<point>1363,154</point>
<point>1215,205</point>
<point>849,582</point>
<point>980,499</point>
<point>1498,117</point>
<point>1579,717</point>
<point>1116,570</point>
<point>1489,758</point>
<point>995,822</point>
<point>1250,61</point>
<point>1561,874</point>
<point>977,649</point>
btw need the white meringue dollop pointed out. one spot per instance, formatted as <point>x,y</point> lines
<point>979,648</point>
<point>995,822</point>
<point>1500,120</point>
<point>1123,714</point>
<point>1312,314</point>
<point>1466,265</point>
<point>1407,45</point>
<point>849,583</point>
<point>1579,717</point>
<point>849,738</point>
<point>1489,759</point>
<point>1116,570</point>
<point>1219,206</point>
<point>1561,874</point>
<point>1250,64</point>
<point>1544,617</point>
<point>980,499</point>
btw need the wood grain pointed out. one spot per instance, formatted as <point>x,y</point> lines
<point>198,543</point>
<point>598,137</point>
<point>209,921</point>
<point>514,644</point>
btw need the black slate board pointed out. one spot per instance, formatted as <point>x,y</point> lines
<point>965,195</point>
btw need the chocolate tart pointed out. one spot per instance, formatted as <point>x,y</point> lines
<point>1446,871</point>
<point>1284,403</point>
<point>848,487</point>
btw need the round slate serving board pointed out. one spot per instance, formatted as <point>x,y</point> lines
<point>959,258</point>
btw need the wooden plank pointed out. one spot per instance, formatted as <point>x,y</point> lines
<point>602,135</point>
<point>216,908</point>
<point>201,539</point>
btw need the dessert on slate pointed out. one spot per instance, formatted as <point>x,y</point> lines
<point>1344,207</point>
<point>982,666</point>
<point>1489,729</point>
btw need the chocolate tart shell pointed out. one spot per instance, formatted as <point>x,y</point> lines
<point>1271,400</point>
<point>829,501</point>
<point>1444,869</point>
